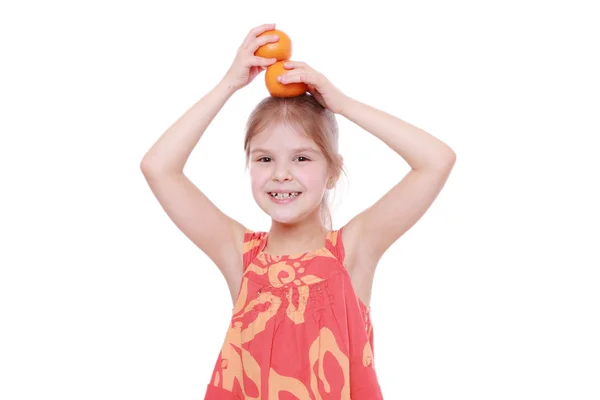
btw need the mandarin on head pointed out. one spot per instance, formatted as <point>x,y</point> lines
<point>281,49</point>
<point>277,89</point>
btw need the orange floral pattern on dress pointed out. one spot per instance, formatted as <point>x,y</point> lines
<point>298,330</point>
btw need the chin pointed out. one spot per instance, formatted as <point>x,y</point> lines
<point>284,216</point>
<point>288,219</point>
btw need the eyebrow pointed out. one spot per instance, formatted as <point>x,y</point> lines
<point>298,150</point>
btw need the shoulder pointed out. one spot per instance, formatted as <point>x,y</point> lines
<point>252,239</point>
<point>251,245</point>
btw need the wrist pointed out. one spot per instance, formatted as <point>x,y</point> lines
<point>226,87</point>
<point>347,104</point>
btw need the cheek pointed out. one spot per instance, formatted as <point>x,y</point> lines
<point>258,178</point>
<point>313,176</point>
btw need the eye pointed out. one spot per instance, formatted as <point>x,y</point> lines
<point>264,159</point>
<point>302,158</point>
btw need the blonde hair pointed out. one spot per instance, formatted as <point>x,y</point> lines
<point>307,114</point>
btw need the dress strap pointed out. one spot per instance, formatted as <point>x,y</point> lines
<point>253,244</point>
<point>335,244</point>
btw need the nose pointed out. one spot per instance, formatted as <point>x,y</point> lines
<point>282,173</point>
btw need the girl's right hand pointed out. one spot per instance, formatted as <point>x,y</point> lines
<point>246,66</point>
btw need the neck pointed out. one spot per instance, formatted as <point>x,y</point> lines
<point>296,238</point>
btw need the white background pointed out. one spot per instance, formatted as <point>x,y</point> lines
<point>493,294</point>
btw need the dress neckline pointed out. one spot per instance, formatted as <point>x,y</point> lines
<point>325,248</point>
<point>294,255</point>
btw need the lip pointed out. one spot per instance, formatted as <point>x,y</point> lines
<point>283,201</point>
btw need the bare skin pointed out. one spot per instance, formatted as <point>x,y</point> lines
<point>366,236</point>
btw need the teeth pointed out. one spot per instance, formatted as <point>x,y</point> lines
<point>284,195</point>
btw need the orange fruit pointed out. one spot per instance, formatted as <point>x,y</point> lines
<point>277,89</point>
<point>281,49</point>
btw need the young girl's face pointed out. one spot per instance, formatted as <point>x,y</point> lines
<point>288,173</point>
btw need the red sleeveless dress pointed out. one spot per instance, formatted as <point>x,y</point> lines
<point>298,330</point>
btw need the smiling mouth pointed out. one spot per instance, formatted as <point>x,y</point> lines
<point>282,196</point>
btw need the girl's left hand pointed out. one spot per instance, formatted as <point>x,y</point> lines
<point>319,86</point>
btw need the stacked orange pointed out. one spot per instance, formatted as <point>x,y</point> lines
<point>282,51</point>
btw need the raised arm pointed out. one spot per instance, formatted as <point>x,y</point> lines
<point>373,231</point>
<point>216,234</point>
<point>431,161</point>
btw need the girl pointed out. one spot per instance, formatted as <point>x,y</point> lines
<point>301,291</point>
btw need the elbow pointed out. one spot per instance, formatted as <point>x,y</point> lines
<point>145,165</point>
<point>446,160</point>
<point>148,166</point>
<point>155,167</point>
<point>451,157</point>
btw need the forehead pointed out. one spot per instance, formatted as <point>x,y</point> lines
<point>281,136</point>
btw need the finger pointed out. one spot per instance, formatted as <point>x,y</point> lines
<point>294,64</point>
<point>315,93</point>
<point>260,29</point>
<point>261,61</point>
<point>296,76</point>
<point>254,32</point>
<point>261,41</point>
<point>259,70</point>
<point>306,75</point>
